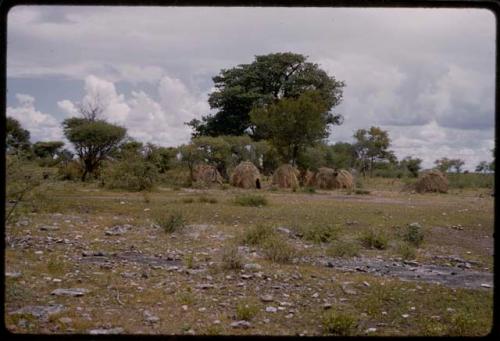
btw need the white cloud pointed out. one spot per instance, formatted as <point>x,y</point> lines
<point>42,127</point>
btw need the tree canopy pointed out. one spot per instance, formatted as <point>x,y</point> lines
<point>45,149</point>
<point>93,140</point>
<point>372,146</point>
<point>266,80</point>
<point>17,138</point>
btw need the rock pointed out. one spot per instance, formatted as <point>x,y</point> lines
<point>347,290</point>
<point>484,285</point>
<point>117,330</point>
<point>65,320</point>
<point>13,274</point>
<point>405,316</point>
<point>149,317</point>
<point>366,283</point>
<point>202,309</point>
<point>116,230</point>
<point>39,311</point>
<point>370,330</point>
<point>252,267</point>
<point>241,324</point>
<point>70,292</point>
<point>327,306</point>
<point>315,295</point>
<point>38,252</point>
<point>184,307</point>
<point>266,298</point>
<point>245,276</point>
<point>271,309</point>
<point>216,322</point>
<point>283,230</point>
<point>205,286</point>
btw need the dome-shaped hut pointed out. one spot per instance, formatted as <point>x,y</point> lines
<point>246,175</point>
<point>286,176</point>
<point>432,181</point>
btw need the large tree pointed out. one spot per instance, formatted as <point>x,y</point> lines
<point>93,140</point>
<point>44,149</point>
<point>16,137</point>
<point>445,165</point>
<point>294,124</point>
<point>372,146</point>
<point>265,81</point>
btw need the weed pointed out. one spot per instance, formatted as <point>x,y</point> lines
<point>373,238</point>
<point>251,200</point>
<point>320,233</point>
<point>406,251</point>
<point>189,261</point>
<point>209,200</point>
<point>257,234</point>
<point>231,258</point>
<point>186,297</point>
<point>339,323</point>
<point>246,311</point>
<point>170,222</point>
<point>343,249</point>
<point>414,234</point>
<point>278,250</point>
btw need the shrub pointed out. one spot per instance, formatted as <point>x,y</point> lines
<point>205,199</point>
<point>373,238</point>
<point>257,234</point>
<point>320,233</point>
<point>231,258</point>
<point>133,174</point>
<point>71,170</point>
<point>339,323</point>
<point>277,249</point>
<point>406,251</point>
<point>246,311</point>
<point>414,234</point>
<point>343,249</point>
<point>251,200</point>
<point>170,222</point>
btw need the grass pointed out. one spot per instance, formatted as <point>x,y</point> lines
<point>231,258</point>
<point>339,323</point>
<point>170,223</point>
<point>343,249</point>
<point>251,200</point>
<point>278,250</point>
<point>361,191</point>
<point>209,200</point>
<point>257,234</point>
<point>414,234</point>
<point>406,251</point>
<point>246,311</point>
<point>374,239</point>
<point>319,233</point>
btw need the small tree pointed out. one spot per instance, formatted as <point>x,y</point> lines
<point>445,165</point>
<point>483,167</point>
<point>93,140</point>
<point>411,165</point>
<point>47,149</point>
<point>17,139</point>
<point>190,156</point>
<point>371,146</point>
<point>293,124</point>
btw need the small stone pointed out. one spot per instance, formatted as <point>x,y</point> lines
<point>384,313</point>
<point>371,330</point>
<point>122,202</point>
<point>202,309</point>
<point>38,252</point>
<point>266,320</point>
<point>266,298</point>
<point>327,306</point>
<point>57,280</point>
<point>271,309</point>
<point>252,266</point>
<point>106,331</point>
<point>205,286</point>
<point>149,317</point>
<point>147,209</point>
<point>12,274</point>
<point>484,285</point>
<point>216,322</point>
<point>241,324</point>
<point>65,320</point>
<point>315,295</point>
<point>412,308</point>
<point>184,307</point>
<point>405,316</point>
<point>450,310</point>
<point>289,316</point>
<point>245,276</point>
<point>366,283</point>
<point>70,292</point>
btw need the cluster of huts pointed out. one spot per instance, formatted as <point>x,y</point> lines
<point>246,175</point>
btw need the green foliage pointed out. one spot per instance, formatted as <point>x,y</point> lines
<point>312,158</point>
<point>71,170</point>
<point>208,200</point>
<point>293,124</point>
<point>319,233</point>
<point>412,165</point>
<point>17,139</point>
<point>445,165</point>
<point>251,200</point>
<point>246,311</point>
<point>132,174</point>
<point>341,155</point>
<point>343,248</point>
<point>339,323</point>
<point>471,180</point>
<point>371,146</point>
<point>170,223</point>
<point>47,149</point>
<point>93,140</point>
<point>414,234</point>
<point>269,78</point>
<point>406,250</point>
<point>257,234</point>
<point>277,249</point>
<point>231,258</point>
<point>374,238</point>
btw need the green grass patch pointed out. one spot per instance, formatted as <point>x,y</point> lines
<point>251,200</point>
<point>173,222</point>
<point>246,311</point>
<point>343,249</point>
<point>319,233</point>
<point>339,323</point>
<point>257,234</point>
<point>374,239</point>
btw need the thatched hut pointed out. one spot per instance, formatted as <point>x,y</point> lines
<point>207,174</point>
<point>246,175</point>
<point>432,181</point>
<point>343,179</point>
<point>329,178</point>
<point>286,176</point>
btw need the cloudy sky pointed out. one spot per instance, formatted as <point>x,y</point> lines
<point>425,75</point>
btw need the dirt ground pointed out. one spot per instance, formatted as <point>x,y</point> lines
<point>122,273</point>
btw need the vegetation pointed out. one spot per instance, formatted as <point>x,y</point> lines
<point>173,222</point>
<point>251,200</point>
<point>339,323</point>
<point>374,238</point>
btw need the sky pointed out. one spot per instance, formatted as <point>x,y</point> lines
<point>424,75</point>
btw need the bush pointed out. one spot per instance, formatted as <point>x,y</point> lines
<point>470,180</point>
<point>343,249</point>
<point>414,234</point>
<point>277,249</point>
<point>246,311</point>
<point>71,170</point>
<point>204,199</point>
<point>339,323</point>
<point>257,234</point>
<point>320,233</point>
<point>373,238</point>
<point>132,174</point>
<point>251,200</point>
<point>231,258</point>
<point>406,251</point>
<point>170,222</point>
